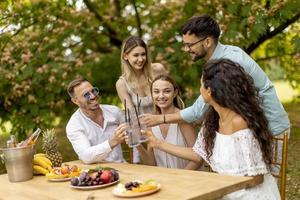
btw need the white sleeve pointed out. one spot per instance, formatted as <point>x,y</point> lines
<point>250,156</point>
<point>199,146</point>
<point>81,145</point>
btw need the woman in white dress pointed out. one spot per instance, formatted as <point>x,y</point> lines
<point>133,86</point>
<point>234,139</point>
<point>165,95</point>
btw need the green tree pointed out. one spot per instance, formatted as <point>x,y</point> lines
<point>45,44</point>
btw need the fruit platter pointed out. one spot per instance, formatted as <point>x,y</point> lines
<point>63,173</point>
<point>136,188</point>
<point>95,178</point>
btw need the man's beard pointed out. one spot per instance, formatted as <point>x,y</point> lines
<point>197,57</point>
<point>200,55</point>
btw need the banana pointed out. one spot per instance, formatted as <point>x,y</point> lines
<point>40,170</point>
<point>55,176</point>
<point>39,161</point>
<point>39,155</point>
<point>46,160</point>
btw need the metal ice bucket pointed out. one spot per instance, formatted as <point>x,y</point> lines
<point>18,163</point>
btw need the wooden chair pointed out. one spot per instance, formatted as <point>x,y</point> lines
<point>282,163</point>
<point>127,153</point>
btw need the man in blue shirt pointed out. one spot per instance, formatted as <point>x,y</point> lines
<point>200,40</point>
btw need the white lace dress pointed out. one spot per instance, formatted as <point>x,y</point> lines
<point>239,154</point>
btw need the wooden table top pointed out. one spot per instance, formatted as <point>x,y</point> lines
<point>176,184</point>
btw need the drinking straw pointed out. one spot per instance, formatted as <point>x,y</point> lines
<point>137,116</point>
<point>129,121</point>
<point>125,110</point>
<point>137,101</point>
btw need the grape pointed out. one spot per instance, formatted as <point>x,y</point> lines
<point>130,185</point>
<point>74,181</point>
<point>83,176</point>
<point>115,175</point>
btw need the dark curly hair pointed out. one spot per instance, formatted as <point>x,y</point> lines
<point>232,88</point>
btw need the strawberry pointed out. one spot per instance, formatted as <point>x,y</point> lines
<point>106,176</point>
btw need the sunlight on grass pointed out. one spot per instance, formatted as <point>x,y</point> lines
<point>284,91</point>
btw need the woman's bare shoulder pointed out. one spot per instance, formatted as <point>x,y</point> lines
<point>120,83</point>
<point>239,123</point>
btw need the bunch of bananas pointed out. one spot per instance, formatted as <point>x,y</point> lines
<point>41,164</point>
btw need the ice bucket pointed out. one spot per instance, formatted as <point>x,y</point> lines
<point>18,162</point>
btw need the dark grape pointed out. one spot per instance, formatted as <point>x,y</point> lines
<point>130,185</point>
<point>74,181</point>
<point>83,176</point>
<point>115,175</point>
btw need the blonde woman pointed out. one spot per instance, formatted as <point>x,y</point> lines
<point>133,86</point>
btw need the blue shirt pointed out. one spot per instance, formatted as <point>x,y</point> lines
<point>273,109</point>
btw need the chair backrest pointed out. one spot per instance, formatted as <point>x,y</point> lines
<point>280,161</point>
<point>127,153</point>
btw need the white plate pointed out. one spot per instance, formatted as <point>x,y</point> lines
<point>94,186</point>
<point>118,193</point>
<point>59,179</point>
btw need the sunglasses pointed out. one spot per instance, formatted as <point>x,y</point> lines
<point>88,95</point>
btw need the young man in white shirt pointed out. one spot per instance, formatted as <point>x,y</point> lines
<point>94,130</point>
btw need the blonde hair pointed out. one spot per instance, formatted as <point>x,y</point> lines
<point>127,70</point>
<point>177,101</point>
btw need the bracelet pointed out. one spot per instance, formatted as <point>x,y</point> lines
<point>164,118</point>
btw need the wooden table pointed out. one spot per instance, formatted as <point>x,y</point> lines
<point>176,184</point>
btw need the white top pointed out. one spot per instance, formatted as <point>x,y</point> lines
<point>239,154</point>
<point>174,136</point>
<point>90,140</point>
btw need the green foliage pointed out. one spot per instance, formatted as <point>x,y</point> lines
<point>46,44</point>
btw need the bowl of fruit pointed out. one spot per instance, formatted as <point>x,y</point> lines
<point>95,178</point>
<point>136,188</point>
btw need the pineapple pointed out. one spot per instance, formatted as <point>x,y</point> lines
<point>50,147</point>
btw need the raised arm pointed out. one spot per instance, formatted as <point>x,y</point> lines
<point>147,155</point>
<point>88,153</point>
<point>188,132</point>
<point>190,115</point>
<point>182,152</point>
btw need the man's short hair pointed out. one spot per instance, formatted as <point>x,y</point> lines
<point>76,82</point>
<point>202,26</point>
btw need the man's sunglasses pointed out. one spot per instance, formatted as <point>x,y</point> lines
<point>88,94</point>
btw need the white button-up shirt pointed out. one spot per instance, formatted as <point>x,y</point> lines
<point>90,140</point>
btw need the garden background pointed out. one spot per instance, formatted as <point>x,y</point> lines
<point>45,44</point>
